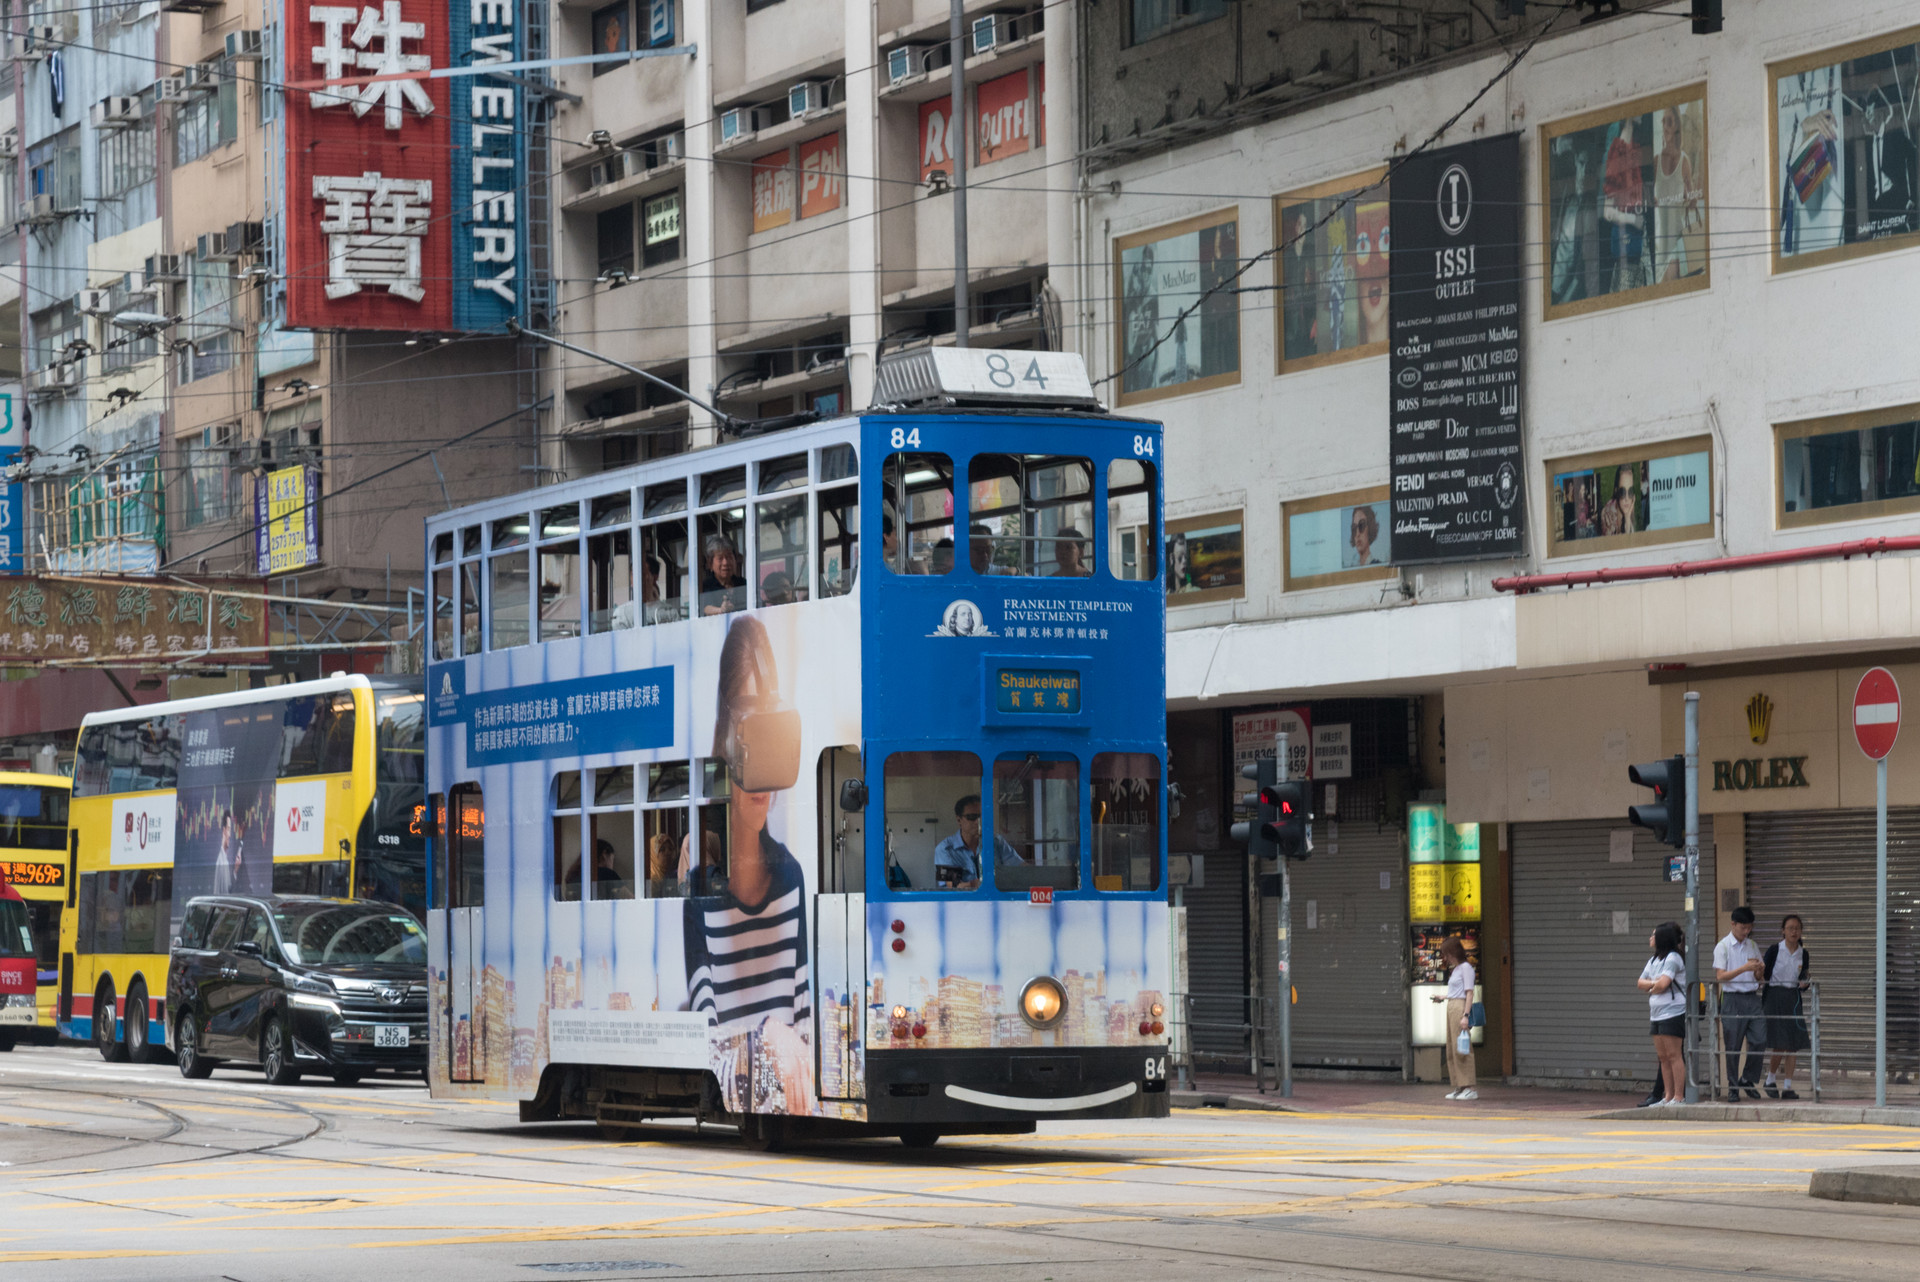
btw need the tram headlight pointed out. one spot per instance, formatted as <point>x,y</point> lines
<point>1043,1002</point>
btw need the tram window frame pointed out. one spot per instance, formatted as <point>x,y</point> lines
<point>466,871</point>
<point>838,505</point>
<point>557,564</point>
<point>1020,552</point>
<point>1008,768</point>
<point>445,634</point>
<point>507,628</point>
<point>924,816</point>
<point>843,833</point>
<point>668,793</point>
<point>609,585</point>
<point>709,528</point>
<point>903,500</point>
<point>785,506</point>
<point>1124,518</point>
<point>664,518</point>
<point>1125,768</point>
<point>470,612</point>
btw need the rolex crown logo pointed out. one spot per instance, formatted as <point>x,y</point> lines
<point>1759,717</point>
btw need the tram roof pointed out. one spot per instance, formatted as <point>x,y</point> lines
<point>239,698</point>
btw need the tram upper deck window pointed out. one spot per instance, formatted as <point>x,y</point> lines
<point>610,605</point>
<point>722,534</point>
<point>839,539</point>
<point>442,584</point>
<point>470,607</point>
<point>1036,811</point>
<point>1132,549</point>
<point>665,560</point>
<point>1031,514</point>
<point>509,585</point>
<point>560,572</point>
<point>781,577</point>
<point>1126,821</point>
<point>930,844</point>
<point>918,498</point>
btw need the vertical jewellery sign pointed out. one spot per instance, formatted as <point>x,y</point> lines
<point>1455,449</point>
<point>489,169</point>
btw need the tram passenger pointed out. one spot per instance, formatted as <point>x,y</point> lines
<point>980,548</point>
<point>722,590</point>
<point>940,560</point>
<point>956,860</point>
<point>761,992</point>
<point>1069,554</point>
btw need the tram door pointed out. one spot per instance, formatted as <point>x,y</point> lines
<point>840,934</point>
<point>465,840</point>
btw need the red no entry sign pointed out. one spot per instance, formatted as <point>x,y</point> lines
<point>1876,713</point>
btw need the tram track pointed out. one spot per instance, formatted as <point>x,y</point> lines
<point>179,1124</point>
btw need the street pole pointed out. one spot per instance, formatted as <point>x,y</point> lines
<point>1692,837</point>
<point>957,152</point>
<point>1282,937</point>
<point>1880,933</point>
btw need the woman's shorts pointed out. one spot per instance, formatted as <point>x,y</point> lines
<point>1673,1026</point>
<point>1786,1028</point>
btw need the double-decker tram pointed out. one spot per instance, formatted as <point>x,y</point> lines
<point>313,787</point>
<point>812,782</point>
<point>33,859</point>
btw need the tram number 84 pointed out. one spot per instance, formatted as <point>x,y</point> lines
<point>1156,1068</point>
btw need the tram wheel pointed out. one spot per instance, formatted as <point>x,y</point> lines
<point>919,1136</point>
<point>618,1132</point>
<point>763,1134</point>
<point>106,1038</point>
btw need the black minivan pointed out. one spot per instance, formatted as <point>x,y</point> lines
<point>298,984</point>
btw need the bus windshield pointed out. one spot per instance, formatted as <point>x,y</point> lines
<point>33,817</point>
<point>393,844</point>
<point>16,931</point>
<point>330,932</point>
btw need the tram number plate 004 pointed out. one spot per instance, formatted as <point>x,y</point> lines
<point>391,1035</point>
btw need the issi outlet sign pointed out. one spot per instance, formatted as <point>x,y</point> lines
<point>405,193</point>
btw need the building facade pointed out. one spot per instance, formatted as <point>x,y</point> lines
<point>1664,222</point>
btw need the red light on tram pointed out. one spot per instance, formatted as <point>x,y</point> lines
<point>899,945</point>
<point>899,927</point>
<point>1146,1027</point>
<point>919,1030</point>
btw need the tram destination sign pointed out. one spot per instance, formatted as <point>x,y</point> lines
<point>1454,452</point>
<point>618,712</point>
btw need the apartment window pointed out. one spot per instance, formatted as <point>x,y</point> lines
<point>53,169</point>
<point>125,348</point>
<point>614,234</point>
<point>207,119</point>
<point>127,155</point>
<point>1152,18</point>
<point>53,331</point>
<point>211,491</point>
<point>660,219</point>
<point>612,33</point>
<point>210,295</point>
<point>1849,468</point>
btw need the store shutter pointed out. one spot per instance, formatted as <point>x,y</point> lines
<point>1217,959</point>
<point>1349,949</point>
<point>1820,864</point>
<point>1580,927</point>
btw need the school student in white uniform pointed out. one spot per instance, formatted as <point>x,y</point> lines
<point>1787,964</point>
<point>1664,980</point>
<point>1737,968</point>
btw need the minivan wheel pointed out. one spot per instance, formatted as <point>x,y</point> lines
<point>106,1038</point>
<point>186,1049</point>
<point>276,1053</point>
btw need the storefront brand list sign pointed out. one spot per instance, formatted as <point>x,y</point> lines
<point>1455,459</point>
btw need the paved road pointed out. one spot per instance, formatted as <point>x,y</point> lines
<point>121,1172</point>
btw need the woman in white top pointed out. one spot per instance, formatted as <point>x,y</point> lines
<point>1664,980</point>
<point>1459,999</point>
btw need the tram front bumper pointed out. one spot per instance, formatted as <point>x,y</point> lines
<point>942,1087</point>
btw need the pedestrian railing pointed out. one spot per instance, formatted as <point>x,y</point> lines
<point>1246,1019</point>
<point>1707,1052</point>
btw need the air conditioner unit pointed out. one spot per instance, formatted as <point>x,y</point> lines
<point>31,50</point>
<point>740,122</point>
<point>807,98</point>
<point>53,380</point>
<point>10,145</point>
<point>163,269</point>
<point>116,111</point>
<point>41,39</point>
<point>94,302</point>
<point>170,89</point>
<point>244,46</point>
<point>212,248</point>
<point>243,238</point>
<point>38,211</point>
<point>602,172</point>
<point>991,30</point>
<point>200,78</point>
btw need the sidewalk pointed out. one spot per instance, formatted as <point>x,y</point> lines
<point>1392,1096</point>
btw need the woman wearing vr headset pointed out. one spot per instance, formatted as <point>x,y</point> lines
<point>745,928</point>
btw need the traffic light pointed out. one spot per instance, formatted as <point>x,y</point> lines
<point>1706,17</point>
<point>1666,818</point>
<point>1284,825</point>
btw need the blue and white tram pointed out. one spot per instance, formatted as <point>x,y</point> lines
<point>819,775</point>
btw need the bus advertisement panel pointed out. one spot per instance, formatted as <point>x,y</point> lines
<point>33,859</point>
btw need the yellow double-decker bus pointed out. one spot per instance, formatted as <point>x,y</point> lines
<point>33,845</point>
<point>309,788</point>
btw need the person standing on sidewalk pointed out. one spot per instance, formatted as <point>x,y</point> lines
<point>1664,980</point>
<point>1786,965</point>
<point>1737,968</point>
<point>1459,999</point>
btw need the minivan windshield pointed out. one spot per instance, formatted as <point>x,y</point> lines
<point>339,933</point>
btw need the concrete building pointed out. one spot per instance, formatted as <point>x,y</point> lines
<point>1700,381</point>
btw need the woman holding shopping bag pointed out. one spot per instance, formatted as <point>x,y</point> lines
<point>1459,1000</point>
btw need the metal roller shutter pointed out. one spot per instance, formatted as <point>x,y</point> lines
<point>1576,1012</point>
<point>1217,956</point>
<point>1820,864</point>
<point>1349,950</point>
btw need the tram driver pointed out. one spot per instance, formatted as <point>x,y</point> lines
<point>956,860</point>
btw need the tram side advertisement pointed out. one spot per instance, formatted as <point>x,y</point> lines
<point>1454,455</point>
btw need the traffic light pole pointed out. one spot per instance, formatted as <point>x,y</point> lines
<point>1285,942</point>
<point>1692,831</point>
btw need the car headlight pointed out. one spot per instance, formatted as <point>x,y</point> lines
<point>315,994</point>
<point>1043,1002</point>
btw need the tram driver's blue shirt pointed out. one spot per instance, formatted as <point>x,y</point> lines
<point>953,853</point>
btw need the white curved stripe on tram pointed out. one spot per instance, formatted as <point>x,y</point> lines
<point>1021,1104</point>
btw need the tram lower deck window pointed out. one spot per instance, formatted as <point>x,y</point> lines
<point>1126,821</point>
<point>931,843</point>
<point>1036,811</point>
